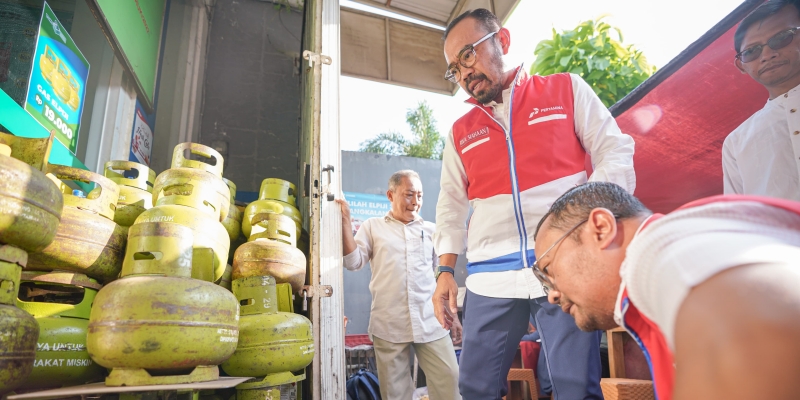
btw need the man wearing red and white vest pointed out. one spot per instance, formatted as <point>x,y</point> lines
<point>710,291</point>
<point>522,145</point>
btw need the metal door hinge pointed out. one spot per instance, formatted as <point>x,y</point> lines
<point>316,58</point>
<point>309,291</point>
<point>321,291</point>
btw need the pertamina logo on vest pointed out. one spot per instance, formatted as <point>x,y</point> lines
<point>536,111</point>
<point>538,114</point>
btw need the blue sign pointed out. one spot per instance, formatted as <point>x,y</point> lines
<point>364,206</point>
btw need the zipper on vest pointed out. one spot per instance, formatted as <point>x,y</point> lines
<point>514,181</point>
<point>520,219</point>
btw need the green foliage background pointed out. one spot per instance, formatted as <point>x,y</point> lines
<point>427,142</point>
<point>591,51</point>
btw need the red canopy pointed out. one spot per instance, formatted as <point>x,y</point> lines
<point>680,117</point>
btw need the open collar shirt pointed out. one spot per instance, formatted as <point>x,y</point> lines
<point>595,127</point>
<point>762,156</point>
<point>402,260</point>
<point>517,284</point>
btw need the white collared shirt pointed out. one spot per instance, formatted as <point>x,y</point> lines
<point>600,135</point>
<point>762,155</point>
<point>402,260</point>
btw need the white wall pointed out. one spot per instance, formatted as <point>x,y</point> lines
<point>110,101</point>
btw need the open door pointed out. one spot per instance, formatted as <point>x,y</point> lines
<point>321,159</point>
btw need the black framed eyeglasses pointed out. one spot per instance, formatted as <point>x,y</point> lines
<point>779,41</point>
<point>466,59</point>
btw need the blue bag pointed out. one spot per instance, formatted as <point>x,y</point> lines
<point>363,385</point>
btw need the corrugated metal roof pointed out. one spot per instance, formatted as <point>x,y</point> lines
<point>385,49</point>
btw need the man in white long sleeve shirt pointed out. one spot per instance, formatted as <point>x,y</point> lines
<point>522,145</point>
<point>762,156</point>
<point>399,248</point>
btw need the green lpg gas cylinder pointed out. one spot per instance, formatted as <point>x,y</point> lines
<point>270,341</point>
<point>30,204</point>
<point>278,189</point>
<point>276,196</point>
<point>207,233</point>
<point>156,324</point>
<point>135,189</point>
<point>259,394</point>
<point>272,251</point>
<point>87,241</point>
<point>194,183</point>
<point>233,222</point>
<point>61,303</point>
<point>18,329</point>
<point>193,194</point>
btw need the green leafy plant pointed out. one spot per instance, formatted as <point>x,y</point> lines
<point>590,50</point>
<point>427,142</point>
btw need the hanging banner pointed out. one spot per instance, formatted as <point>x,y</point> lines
<point>364,206</point>
<point>142,136</point>
<point>57,84</point>
<point>134,28</point>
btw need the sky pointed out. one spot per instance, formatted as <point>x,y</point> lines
<point>660,29</point>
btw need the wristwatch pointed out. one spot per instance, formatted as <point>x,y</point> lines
<point>443,268</point>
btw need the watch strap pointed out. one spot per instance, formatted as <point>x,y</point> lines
<point>443,268</point>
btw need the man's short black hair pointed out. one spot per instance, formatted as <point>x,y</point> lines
<point>761,13</point>
<point>486,18</point>
<point>575,205</point>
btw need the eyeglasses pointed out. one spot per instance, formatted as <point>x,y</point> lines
<point>779,41</point>
<point>547,283</point>
<point>466,58</point>
<point>542,275</point>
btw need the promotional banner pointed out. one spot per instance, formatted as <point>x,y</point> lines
<point>19,28</point>
<point>142,136</point>
<point>364,206</point>
<point>57,83</point>
<point>135,29</point>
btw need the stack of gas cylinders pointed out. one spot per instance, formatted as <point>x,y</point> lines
<point>275,344</point>
<point>30,210</point>
<point>125,277</point>
<point>165,321</point>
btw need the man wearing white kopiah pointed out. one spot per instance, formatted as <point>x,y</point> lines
<point>399,248</point>
<point>522,145</point>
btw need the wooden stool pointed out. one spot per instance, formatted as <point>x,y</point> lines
<point>627,389</point>
<point>522,375</point>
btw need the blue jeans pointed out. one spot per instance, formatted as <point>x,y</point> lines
<point>493,328</point>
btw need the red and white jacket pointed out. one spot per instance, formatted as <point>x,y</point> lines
<point>672,253</point>
<point>510,174</point>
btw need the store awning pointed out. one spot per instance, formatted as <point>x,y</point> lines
<point>680,117</point>
<point>389,50</point>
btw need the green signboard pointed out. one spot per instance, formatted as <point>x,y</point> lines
<point>57,84</point>
<point>134,28</point>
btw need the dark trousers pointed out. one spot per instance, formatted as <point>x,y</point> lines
<point>492,330</point>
